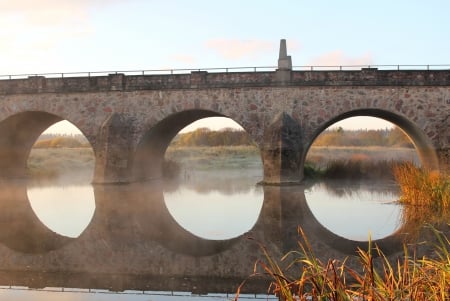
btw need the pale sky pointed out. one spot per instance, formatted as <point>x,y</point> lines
<point>48,36</point>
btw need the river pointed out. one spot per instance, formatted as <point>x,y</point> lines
<point>205,214</point>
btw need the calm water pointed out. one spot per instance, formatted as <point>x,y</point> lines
<point>214,209</point>
<point>216,214</point>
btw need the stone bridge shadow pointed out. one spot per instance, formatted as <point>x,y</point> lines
<point>133,236</point>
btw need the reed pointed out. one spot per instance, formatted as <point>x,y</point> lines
<point>376,278</point>
<point>358,168</point>
<point>422,187</point>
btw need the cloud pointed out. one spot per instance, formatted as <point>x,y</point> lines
<point>339,58</point>
<point>238,49</point>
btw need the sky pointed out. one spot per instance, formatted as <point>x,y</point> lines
<point>49,36</point>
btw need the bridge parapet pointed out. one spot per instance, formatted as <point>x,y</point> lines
<point>207,80</point>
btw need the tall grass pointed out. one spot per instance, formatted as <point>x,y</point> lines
<point>358,169</point>
<point>425,196</point>
<point>422,187</point>
<point>377,278</point>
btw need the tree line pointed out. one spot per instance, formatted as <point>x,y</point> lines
<point>206,137</point>
<point>393,137</point>
<point>61,141</point>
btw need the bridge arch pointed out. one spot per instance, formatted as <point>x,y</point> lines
<point>18,133</point>
<point>424,147</point>
<point>149,155</point>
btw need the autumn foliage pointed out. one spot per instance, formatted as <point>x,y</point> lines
<point>388,137</point>
<point>64,141</point>
<point>206,137</point>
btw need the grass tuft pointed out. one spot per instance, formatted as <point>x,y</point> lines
<point>408,278</point>
<point>422,187</point>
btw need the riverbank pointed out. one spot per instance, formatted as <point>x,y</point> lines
<point>54,162</point>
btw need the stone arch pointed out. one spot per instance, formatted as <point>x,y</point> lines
<point>149,154</point>
<point>297,214</point>
<point>423,145</point>
<point>18,133</point>
<point>22,230</point>
<point>144,218</point>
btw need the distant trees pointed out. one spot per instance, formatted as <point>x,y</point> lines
<point>388,137</point>
<point>61,141</point>
<point>206,137</point>
<point>232,137</point>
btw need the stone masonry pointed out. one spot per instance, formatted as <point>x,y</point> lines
<point>130,119</point>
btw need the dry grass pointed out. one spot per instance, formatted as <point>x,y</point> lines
<point>340,161</point>
<point>53,162</point>
<point>218,157</point>
<point>356,162</point>
<point>377,278</point>
<point>425,195</point>
<point>422,187</point>
<point>322,156</point>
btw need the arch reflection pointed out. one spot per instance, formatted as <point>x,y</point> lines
<point>66,209</point>
<point>21,229</point>
<point>132,242</point>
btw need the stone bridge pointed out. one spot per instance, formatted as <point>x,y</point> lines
<point>130,119</point>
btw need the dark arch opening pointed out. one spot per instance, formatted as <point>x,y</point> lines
<point>424,148</point>
<point>18,133</point>
<point>149,156</point>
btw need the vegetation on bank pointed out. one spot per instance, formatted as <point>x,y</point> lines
<point>204,150</point>
<point>62,141</point>
<point>206,137</point>
<point>421,187</point>
<point>352,170</point>
<point>49,163</point>
<point>393,137</point>
<point>425,196</point>
<point>375,278</point>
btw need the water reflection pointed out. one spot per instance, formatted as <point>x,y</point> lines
<point>224,208</point>
<point>356,210</point>
<point>67,210</point>
<point>213,214</point>
<point>135,239</point>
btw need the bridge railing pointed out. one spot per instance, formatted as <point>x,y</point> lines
<point>226,70</point>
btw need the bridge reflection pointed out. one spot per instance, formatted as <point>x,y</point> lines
<point>133,243</point>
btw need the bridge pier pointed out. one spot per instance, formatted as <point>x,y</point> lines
<point>282,152</point>
<point>113,151</point>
